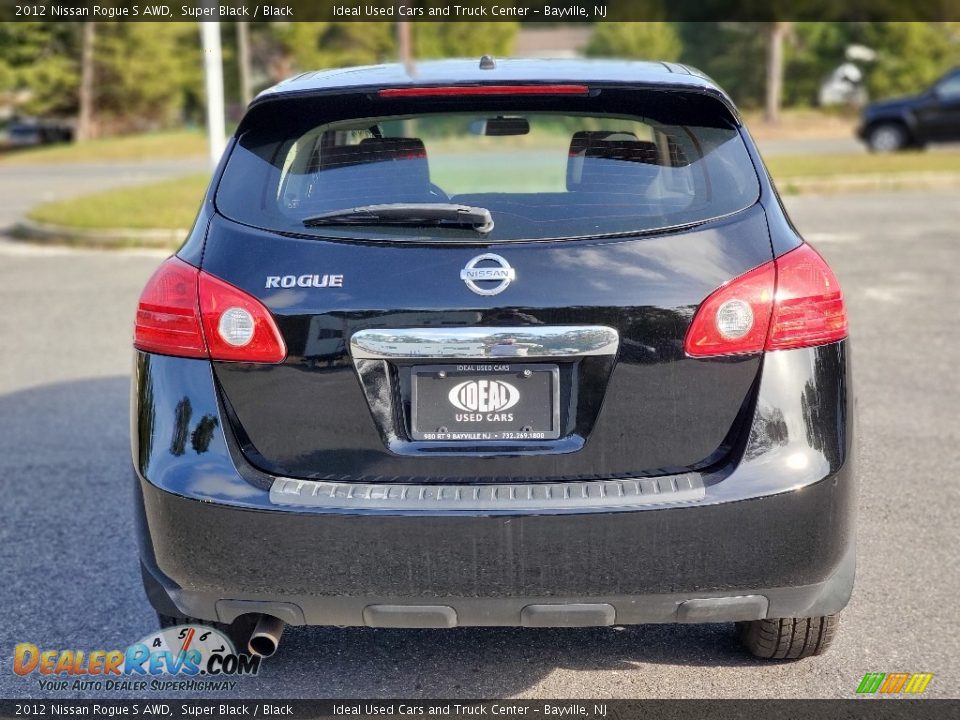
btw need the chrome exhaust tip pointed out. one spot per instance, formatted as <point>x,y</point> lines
<point>266,636</point>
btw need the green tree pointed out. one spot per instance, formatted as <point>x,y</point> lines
<point>146,73</point>
<point>463,39</point>
<point>39,66</point>
<point>732,53</point>
<point>816,49</point>
<point>314,46</point>
<point>910,55</point>
<point>640,40</point>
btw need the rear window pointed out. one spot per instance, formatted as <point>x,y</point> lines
<point>541,170</point>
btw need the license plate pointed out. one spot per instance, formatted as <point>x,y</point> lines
<point>485,401</point>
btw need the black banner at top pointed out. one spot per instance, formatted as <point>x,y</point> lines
<point>536,11</point>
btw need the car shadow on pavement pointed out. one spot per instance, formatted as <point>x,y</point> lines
<point>482,662</point>
<point>69,578</point>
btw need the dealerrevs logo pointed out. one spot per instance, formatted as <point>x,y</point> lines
<point>483,396</point>
<point>202,658</point>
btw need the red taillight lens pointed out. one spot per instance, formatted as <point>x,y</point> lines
<point>237,326</point>
<point>735,318</point>
<point>809,308</point>
<point>168,317</point>
<point>189,313</point>
<point>448,90</point>
<point>794,301</point>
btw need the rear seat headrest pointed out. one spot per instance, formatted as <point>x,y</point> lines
<point>399,148</point>
<point>371,150</point>
<point>392,169</point>
<point>609,161</point>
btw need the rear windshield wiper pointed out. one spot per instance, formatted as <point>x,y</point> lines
<point>447,215</point>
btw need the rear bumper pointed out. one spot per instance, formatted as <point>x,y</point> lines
<point>771,535</point>
<point>787,555</point>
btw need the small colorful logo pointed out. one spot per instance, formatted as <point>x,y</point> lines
<point>894,683</point>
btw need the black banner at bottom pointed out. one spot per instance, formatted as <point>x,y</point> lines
<point>854,709</point>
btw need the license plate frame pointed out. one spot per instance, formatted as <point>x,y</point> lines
<point>433,414</point>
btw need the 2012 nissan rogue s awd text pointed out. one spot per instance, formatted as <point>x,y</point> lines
<point>524,343</point>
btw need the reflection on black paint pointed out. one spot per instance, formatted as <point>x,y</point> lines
<point>813,414</point>
<point>507,316</point>
<point>821,403</point>
<point>203,433</point>
<point>654,334</point>
<point>181,427</point>
<point>768,430</point>
<point>147,415</point>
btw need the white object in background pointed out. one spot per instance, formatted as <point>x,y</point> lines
<point>213,77</point>
<point>860,53</point>
<point>844,86</point>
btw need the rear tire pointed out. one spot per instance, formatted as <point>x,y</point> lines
<point>788,638</point>
<point>888,137</point>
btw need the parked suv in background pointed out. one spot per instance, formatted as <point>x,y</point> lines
<point>24,132</point>
<point>912,122</point>
<point>526,343</point>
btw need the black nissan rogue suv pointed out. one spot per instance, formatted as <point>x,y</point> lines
<point>526,343</point>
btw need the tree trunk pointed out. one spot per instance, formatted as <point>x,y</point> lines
<point>405,56</point>
<point>776,35</point>
<point>243,60</point>
<point>404,46</point>
<point>85,119</point>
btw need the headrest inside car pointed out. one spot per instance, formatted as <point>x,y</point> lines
<point>373,170</point>
<point>372,150</point>
<point>610,161</point>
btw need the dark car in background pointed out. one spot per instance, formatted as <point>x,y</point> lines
<point>516,343</point>
<point>933,116</point>
<point>26,132</point>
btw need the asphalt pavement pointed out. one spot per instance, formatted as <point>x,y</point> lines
<point>23,185</point>
<point>68,562</point>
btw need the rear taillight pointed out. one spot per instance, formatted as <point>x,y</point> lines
<point>793,301</point>
<point>168,316</point>
<point>809,307</point>
<point>189,313</point>
<point>734,319</point>
<point>237,326</point>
